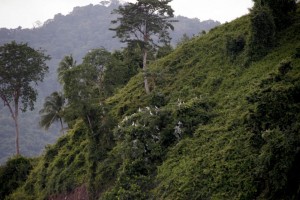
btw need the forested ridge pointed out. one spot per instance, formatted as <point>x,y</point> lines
<point>82,30</point>
<point>220,121</point>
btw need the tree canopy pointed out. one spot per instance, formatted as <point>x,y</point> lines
<point>146,24</point>
<point>20,68</point>
<point>52,110</point>
<point>281,10</point>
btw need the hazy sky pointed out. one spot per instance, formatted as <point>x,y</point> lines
<point>25,13</point>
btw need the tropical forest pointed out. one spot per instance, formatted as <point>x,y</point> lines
<point>156,106</point>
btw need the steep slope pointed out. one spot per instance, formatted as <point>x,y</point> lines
<point>220,159</point>
<point>214,127</point>
<point>83,29</point>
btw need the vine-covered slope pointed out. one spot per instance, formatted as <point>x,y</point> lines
<point>215,126</point>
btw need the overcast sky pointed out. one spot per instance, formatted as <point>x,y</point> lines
<point>26,13</point>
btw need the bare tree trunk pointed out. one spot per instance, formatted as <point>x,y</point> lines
<point>61,124</point>
<point>16,118</point>
<point>17,135</point>
<point>145,53</point>
<point>14,115</point>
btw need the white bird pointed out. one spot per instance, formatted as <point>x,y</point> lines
<point>179,102</point>
<point>140,110</point>
<point>156,109</point>
<point>125,119</point>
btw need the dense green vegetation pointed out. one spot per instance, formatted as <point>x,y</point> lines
<point>14,174</point>
<point>83,29</point>
<point>218,124</point>
<point>145,24</point>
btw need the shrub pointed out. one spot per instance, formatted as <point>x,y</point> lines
<point>281,10</point>
<point>235,45</point>
<point>274,123</point>
<point>13,174</point>
<point>262,28</point>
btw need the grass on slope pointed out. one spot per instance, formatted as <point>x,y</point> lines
<point>218,162</point>
<point>214,160</point>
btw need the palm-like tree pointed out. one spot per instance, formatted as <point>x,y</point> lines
<point>67,63</point>
<point>52,110</point>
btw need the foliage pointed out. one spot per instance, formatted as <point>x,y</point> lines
<point>52,110</point>
<point>142,137</point>
<point>214,165</point>
<point>141,21</point>
<point>62,168</point>
<point>262,37</point>
<point>164,51</point>
<point>195,112</point>
<point>215,158</point>
<point>282,11</point>
<point>275,127</point>
<point>234,46</point>
<point>145,24</point>
<point>145,137</point>
<point>79,87</point>
<point>193,137</point>
<point>100,142</point>
<point>65,64</point>
<point>20,67</point>
<point>83,29</point>
<point>13,174</point>
<point>115,71</point>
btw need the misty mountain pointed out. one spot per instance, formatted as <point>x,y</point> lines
<point>87,28</point>
<point>83,29</point>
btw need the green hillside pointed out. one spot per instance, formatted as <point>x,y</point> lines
<point>76,33</point>
<point>217,125</point>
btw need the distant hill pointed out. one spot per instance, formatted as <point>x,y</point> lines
<point>83,29</point>
<point>87,28</point>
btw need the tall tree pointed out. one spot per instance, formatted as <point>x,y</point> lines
<point>111,70</point>
<point>52,110</point>
<point>145,23</point>
<point>20,67</point>
<point>80,87</point>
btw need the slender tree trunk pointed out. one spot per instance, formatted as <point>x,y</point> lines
<point>14,115</point>
<point>17,135</point>
<point>145,53</point>
<point>16,118</point>
<point>61,124</point>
